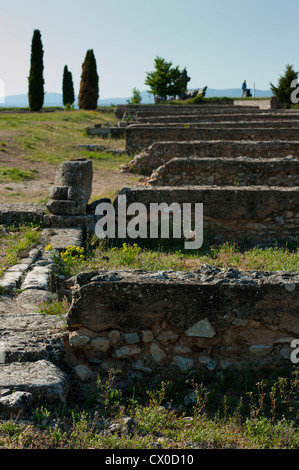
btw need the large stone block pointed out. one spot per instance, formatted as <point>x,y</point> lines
<point>200,302</point>
<point>73,188</point>
<point>210,318</point>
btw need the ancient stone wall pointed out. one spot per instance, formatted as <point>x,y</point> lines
<point>123,111</point>
<point>139,137</point>
<point>256,214</point>
<point>240,171</point>
<point>213,117</point>
<point>164,322</point>
<point>160,153</point>
<point>21,213</point>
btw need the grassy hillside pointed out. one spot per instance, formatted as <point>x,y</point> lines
<point>33,144</point>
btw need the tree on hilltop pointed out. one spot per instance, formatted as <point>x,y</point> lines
<point>136,98</point>
<point>68,93</point>
<point>165,80</point>
<point>284,88</point>
<point>89,85</point>
<point>36,80</point>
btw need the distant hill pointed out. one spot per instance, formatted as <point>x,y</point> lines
<point>21,101</point>
<point>55,99</point>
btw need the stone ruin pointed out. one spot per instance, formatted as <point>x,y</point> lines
<point>143,323</point>
<point>73,184</point>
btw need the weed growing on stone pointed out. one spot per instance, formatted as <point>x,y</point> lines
<point>105,255</point>
<point>54,306</point>
<point>14,240</point>
<point>68,261</point>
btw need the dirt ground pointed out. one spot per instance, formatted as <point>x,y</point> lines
<point>105,182</point>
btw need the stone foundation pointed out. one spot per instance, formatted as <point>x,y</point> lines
<point>256,214</point>
<point>267,103</point>
<point>240,171</point>
<point>139,137</point>
<point>140,110</point>
<point>176,321</point>
<point>21,213</point>
<point>213,117</point>
<point>160,153</point>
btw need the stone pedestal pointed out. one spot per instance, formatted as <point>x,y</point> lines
<point>73,188</point>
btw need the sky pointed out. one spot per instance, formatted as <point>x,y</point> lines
<point>220,42</point>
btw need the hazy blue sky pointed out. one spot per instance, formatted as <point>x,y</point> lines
<point>220,42</point>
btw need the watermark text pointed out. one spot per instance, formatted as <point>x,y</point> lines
<point>138,221</point>
<point>295,93</point>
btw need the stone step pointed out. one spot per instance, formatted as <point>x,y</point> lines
<point>31,336</point>
<point>32,351</point>
<point>142,110</point>
<point>61,237</point>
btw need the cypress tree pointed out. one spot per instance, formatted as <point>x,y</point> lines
<point>68,93</point>
<point>36,80</point>
<point>89,85</point>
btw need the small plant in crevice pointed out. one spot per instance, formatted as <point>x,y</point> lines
<point>54,306</point>
<point>68,261</point>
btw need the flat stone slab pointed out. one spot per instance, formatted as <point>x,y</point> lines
<point>60,238</point>
<point>11,278</point>
<point>28,300</point>
<point>38,278</point>
<point>21,212</point>
<point>40,378</point>
<point>31,336</point>
<point>91,147</point>
<point>125,300</point>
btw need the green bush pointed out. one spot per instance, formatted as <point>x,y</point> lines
<point>198,99</point>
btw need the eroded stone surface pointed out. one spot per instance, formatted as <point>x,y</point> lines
<point>40,378</point>
<point>208,318</point>
<point>60,238</point>
<point>15,404</point>
<point>31,336</point>
<point>38,278</point>
<point>73,188</point>
<point>12,213</point>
